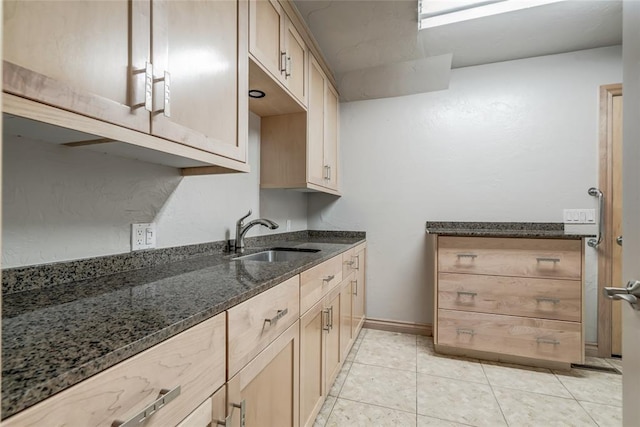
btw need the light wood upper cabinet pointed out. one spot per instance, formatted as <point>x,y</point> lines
<point>80,56</point>
<point>277,46</point>
<point>179,75</point>
<point>199,100</point>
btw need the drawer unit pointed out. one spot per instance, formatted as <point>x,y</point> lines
<point>527,297</point>
<point>317,281</point>
<point>258,321</point>
<point>546,258</point>
<point>194,361</point>
<point>520,336</point>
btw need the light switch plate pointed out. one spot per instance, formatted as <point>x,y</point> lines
<point>579,216</point>
<point>143,236</point>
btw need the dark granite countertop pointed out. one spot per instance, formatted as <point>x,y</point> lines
<point>552,230</point>
<point>57,336</point>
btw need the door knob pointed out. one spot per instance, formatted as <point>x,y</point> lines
<point>619,240</point>
<point>630,294</point>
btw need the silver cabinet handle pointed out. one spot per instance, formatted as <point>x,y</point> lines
<point>329,278</point>
<point>465,331</point>
<point>166,109</point>
<point>471,294</point>
<point>593,191</point>
<point>243,411</point>
<point>357,267</point>
<point>283,61</point>
<point>287,67</point>
<point>541,340</point>
<point>630,294</point>
<point>356,289</point>
<point>547,299</point>
<point>327,175</point>
<point>280,314</point>
<point>148,87</point>
<point>472,256</point>
<point>545,259</point>
<point>325,324</point>
<point>331,317</point>
<point>350,263</point>
<point>166,396</point>
<point>227,420</point>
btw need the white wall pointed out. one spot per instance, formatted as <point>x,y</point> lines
<point>63,203</point>
<point>511,141</point>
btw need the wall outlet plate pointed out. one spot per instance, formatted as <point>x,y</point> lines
<point>143,236</point>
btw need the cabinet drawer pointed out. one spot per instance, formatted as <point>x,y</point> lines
<point>542,298</point>
<point>259,320</point>
<point>193,360</point>
<point>519,336</point>
<point>511,257</point>
<point>317,281</point>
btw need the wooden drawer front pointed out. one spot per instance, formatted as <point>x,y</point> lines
<point>193,360</point>
<point>519,336</point>
<point>250,331</point>
<point>511,257</point>
<point>542,298</point>
<point>317,281</point>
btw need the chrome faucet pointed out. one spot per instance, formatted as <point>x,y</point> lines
<point>242,229</point>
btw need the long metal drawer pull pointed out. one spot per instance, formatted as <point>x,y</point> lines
<point>280,314</point>
<point>283,61</point>
<point>546,259</point>
<point>166,396</point>
<point>329,278</point>
<point>227,421</point>
<point>331,317</point>
<point>148,86</point>
<point>287,67</point>
<point>166,109</point>
<point>547,299</point>
<point>471,294</point>
<point>325,324</point>
<point>467,256</point>
<point>356,289</point>
<point>547,341</point>
<point>465,331</point>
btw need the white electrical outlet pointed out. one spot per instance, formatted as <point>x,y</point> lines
<point>143,236</point>
<point>288,225</point>
<point>579,216</point>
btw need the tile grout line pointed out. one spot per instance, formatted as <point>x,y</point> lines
<point>588,413</point>
<point>494,395</point>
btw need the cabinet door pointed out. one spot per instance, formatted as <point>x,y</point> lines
<point>331,137</point>
<point>265,34</point>
<point>209,412</point>
<point>346,331</point>
<point>201,75</point>
<point>359,291</point>
<point>316,170</point>
<point>267,388</point>
<point>313,328</point>
<point>79,56</point>
<point>333,338</point>
<point>296,62</point>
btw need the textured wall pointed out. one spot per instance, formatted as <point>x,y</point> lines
<point>62,203</point>
<point>511,141</point>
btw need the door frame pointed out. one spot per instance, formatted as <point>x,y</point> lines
<point>605,183</point>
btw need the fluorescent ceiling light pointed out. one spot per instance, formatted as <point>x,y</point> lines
<point>434,13</point>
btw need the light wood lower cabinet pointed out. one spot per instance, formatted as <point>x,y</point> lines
<point>510,298</point>
<point>359,288</point>
<point>212,411</point>
<point>266,389</point>
<point>193,360</point>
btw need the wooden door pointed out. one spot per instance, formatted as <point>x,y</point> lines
<point>266,33</point>
<point>331,136</point>
<point>616,249</point>
<point>267,388</point>
<point>333,337</point>
<point>359,291</point>
<point>199,61</point>
<point>316,172</point>
<point>313,326</point>
<point>296,66</point>
<point>80,56</point>
<point>346,337</point>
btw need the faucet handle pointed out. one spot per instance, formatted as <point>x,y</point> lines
<point>245,217</point>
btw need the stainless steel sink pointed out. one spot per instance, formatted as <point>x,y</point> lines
<point>278,255</point>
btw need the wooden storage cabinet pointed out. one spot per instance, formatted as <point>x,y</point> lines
<point>266,389</point>
<point>209,412</point>
<point>318,280</point>
<point>510,296</point>
<point>359,288</point>
<point>194,360</point>
<point>92,58</point>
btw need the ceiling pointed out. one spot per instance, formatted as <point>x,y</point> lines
<point>356,35</point>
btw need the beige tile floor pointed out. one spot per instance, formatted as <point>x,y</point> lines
<point>392,379</point>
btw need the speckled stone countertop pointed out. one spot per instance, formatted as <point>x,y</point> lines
<point>552,230</point>
<point>56,336</point>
